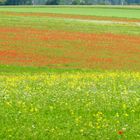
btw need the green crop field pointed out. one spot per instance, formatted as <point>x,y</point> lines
<point>70,73</point>
<point>125,12</point>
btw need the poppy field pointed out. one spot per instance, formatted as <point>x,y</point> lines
<point>69,73</point>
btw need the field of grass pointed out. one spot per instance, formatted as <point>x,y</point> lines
<point>69,73</point>
<point>125,12</point>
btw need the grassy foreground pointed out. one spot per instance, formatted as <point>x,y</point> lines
<point>70,105</point>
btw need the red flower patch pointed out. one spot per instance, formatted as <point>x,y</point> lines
<point>84,50</point>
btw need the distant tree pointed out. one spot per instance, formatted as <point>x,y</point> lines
<point>65,2</point>
<point>2,2</point>
<point>76,2</point>
<point>38,2</point>
<point>52,2</point>
<point>18,2</point>
<point>68,2</point>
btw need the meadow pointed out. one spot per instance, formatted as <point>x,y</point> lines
<point>70,73</point>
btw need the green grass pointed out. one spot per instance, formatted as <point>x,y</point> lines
<point>78,105</point>
<point>92,11</point>
<point>63,24</point>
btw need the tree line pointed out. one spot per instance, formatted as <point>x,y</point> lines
<point>68,2</point>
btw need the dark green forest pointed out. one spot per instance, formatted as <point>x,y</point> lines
<point>69,2</point>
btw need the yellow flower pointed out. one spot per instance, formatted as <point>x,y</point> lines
<point>90,124</point>
<point>8,103</point>
<point>35,109</point>
<point>118,122</point>
<point>52,130</point>
<point>126,115</point>
<point>123,129</point>
<point>72,112</point>
<point>98,126</point>
<point>100,113</point>
<point>117,114</point>
<point>32,110</point>
<point>51,107</point>
<point>133,110</point>
<point>81,130</point>
<point>124,106</point>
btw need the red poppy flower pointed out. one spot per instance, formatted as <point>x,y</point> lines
<point>120,132</point>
